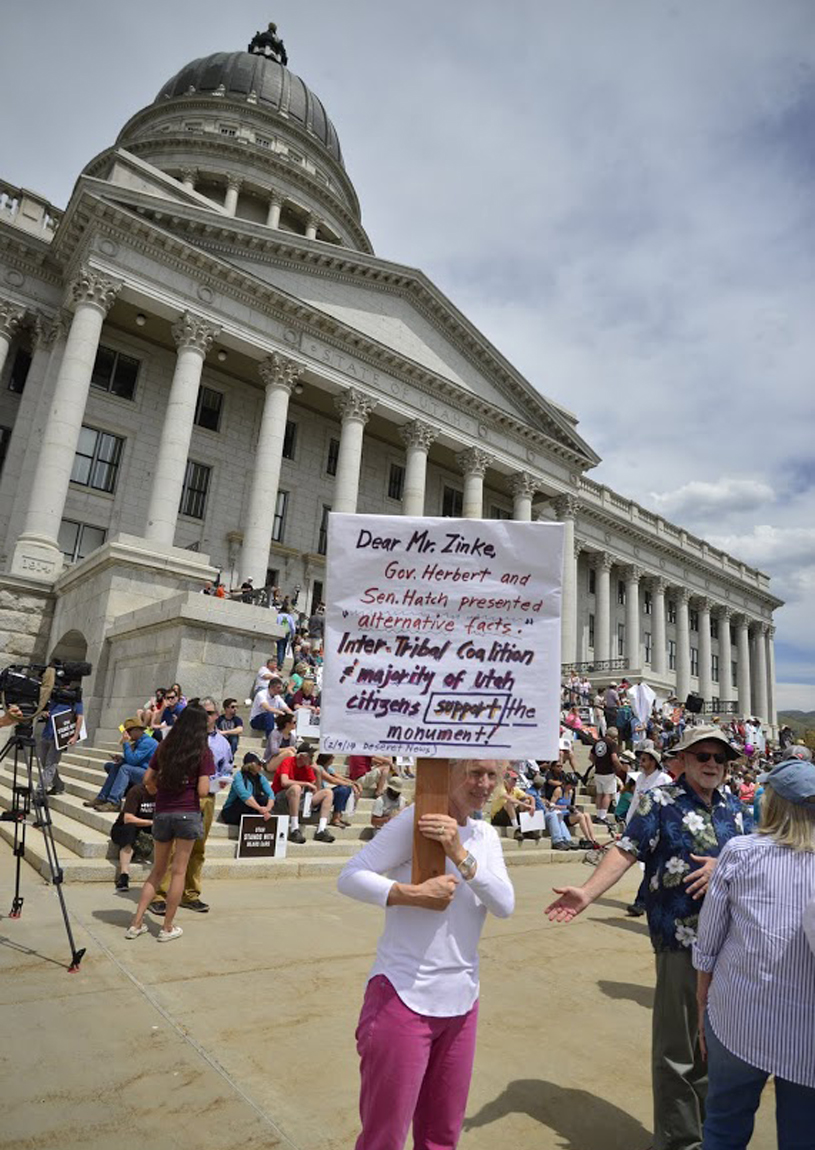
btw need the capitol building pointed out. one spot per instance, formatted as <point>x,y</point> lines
<point>201,357</point>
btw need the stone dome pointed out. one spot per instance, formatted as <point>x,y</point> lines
<point>239,74</point>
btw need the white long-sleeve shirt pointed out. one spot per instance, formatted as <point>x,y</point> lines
<point>431,957</point>
<point>644,783</point>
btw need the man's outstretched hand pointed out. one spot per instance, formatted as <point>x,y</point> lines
<point>572,901</point>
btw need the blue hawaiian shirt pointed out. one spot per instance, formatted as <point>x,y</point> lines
<point>670,824</point>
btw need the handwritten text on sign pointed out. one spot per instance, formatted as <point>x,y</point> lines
<point>442,637</point>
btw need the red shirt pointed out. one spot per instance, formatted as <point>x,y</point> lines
<point>358,765</point>
<point>295,774</point>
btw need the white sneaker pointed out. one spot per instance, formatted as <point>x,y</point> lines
<point>169,935</point>
<point>135,931</point>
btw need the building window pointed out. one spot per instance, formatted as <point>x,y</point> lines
<point>228,129</point>
<point>647,603</point>
<point>591,632</point>
<point>279,523</point>
<point>693,618</point>
<point>115,372</point>
<point>592,581</point>
<point>734,675</point>
<point>322,538</point>
<point>671,654</point>
<point>263,142</point>
<point>208,408</point>
<point>647,644</point>
<point>452,503</point>
<point>621,639</point>
<point>316,593</point>
<point>196,488</point>
<point>694,661</point>
<point>193,126</point>
<point>289,439</point>
<point>19,371</point>
<point>333,456</point>
<point>671,610</point>
<point>5,439</point>
<point>714,628</point>
<point>714,668</point>
<point>97,458</point>
<point>396,482</point>
<point>497,512</point>
<point>621,592</point>
<point>76,540</point>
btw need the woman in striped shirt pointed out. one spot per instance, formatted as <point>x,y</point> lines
<point>756,970</point>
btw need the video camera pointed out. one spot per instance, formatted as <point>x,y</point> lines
<point>21,685</point>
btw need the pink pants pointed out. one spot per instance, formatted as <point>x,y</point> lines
<point>413,1067</point>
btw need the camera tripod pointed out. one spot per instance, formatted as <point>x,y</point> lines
<point>25,796</point>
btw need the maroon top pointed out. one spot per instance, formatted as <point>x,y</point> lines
<point>187,798</point>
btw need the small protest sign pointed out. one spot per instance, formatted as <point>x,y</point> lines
<point>64,725</point>
<point>263,838</point>
<point>442,637</point>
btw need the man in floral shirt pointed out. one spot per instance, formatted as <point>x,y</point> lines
<point>677,831</point>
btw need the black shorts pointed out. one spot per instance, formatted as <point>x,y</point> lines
<point>125,834</point>
<point>169,825</point>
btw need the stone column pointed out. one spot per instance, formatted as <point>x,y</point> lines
<point>312,223</point>
<point>602,602</point>
<point>682,644</point>
<point>772,709</point>
<point>275,204</point>
<point>233,186</point>
<point>633,575</point>
<point>725,656</point>
<point>188,178</point>
<point>473,463</point>
<point>761,703</point>
<point>37,550</point>
<point>279,375</point>
<point>743,665</point>
<point>355,408</point>
<point>705,680</point>
<point>193,337</point>
<point>523,487</point>
<point>418,438</point>
<point>659,647</point>
<point>11,316</point>
<point>566,511</point>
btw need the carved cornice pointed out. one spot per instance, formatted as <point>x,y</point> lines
<point>354,404</point>
<point>566,506</point>
<point>280,372</point>
<point>418,434</point>
<point>191,332</point>
<point>523,485</point>
<point>11,317</point>
<point>89,287</point>
<point>473,462</point>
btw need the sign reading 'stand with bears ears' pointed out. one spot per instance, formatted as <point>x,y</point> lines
<point>442,637</point>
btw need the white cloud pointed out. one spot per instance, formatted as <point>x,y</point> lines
<point>795,696</point>
<point>786,550</point>
<point>700,500</point>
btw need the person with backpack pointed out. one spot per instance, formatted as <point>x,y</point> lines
<point>180,769</point>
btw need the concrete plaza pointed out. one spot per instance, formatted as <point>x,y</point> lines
<point>242,1032</point>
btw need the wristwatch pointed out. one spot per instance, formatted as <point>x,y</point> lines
<point>467,867</point>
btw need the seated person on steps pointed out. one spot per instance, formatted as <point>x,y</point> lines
<point>389,804</point>
<point>230,724</point>
<point>267,704</point>
<point>125,769</point>
<point>135,819</point>
<point>293,777</point>
<point>341,788</point>
<point>250,793</point>
<point>371,772</point>
<point>280,743</point>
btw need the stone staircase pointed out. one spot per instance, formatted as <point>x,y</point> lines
<point>86,853</point>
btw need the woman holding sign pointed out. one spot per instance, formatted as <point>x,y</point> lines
<point>416,1032</point>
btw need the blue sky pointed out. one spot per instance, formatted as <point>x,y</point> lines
<point>618,195</point>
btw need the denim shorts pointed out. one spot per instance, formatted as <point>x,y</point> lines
<point>169,825</point>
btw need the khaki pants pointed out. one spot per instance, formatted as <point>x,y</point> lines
<point>679,1074</point>
<point>192,881</point>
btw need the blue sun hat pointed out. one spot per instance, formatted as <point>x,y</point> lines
<point>793,780</point>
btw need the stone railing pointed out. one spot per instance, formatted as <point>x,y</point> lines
<point>28,211</point>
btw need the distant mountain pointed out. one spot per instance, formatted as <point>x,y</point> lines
<point>799,721</point>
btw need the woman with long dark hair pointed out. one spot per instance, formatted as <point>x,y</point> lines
<point>181,769</point>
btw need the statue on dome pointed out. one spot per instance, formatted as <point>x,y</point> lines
<point>269,44</point>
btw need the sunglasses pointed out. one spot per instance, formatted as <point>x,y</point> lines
<point>212,712</point>
<point>703,756</point>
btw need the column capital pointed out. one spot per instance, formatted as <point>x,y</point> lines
<point>189,175</point>
<point>234,182</point>
<point>724,613</point>
<point>313,220</point>
<point>763,628</point>
<point>682,595</point>
<point>741,619</point>
<point>579,546</point>
<point>92,288</point>
<point>354,404</point>
<point>49,328</point>
<point>771,631</point>
<point>602,561</point>
<point>566,506</point>
<point>11,316</point>
<point>656,584</point>
<point>276,197</point>
<point>192,332</point>
<point>280,371</point>
<point>633,573</point>
<point>523,485</point>
<point>418,434</point>
<point>702,603</point>
<point>473,461</point>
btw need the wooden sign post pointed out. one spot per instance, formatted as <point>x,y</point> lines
<point>432,798</point>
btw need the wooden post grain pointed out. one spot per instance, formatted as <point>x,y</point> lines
<point>432,798</point>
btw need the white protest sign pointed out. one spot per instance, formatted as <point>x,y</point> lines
<point>442,637</point>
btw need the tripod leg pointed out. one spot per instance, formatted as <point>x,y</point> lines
<point>20,806</point>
